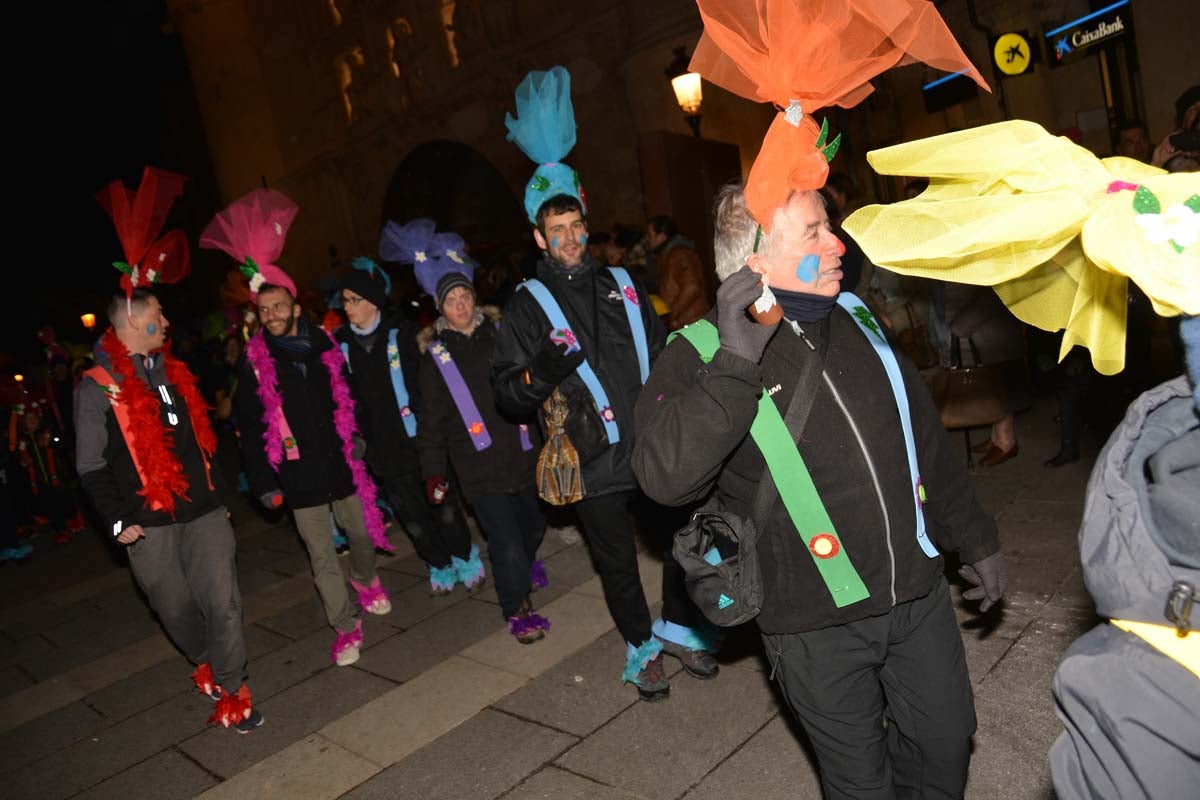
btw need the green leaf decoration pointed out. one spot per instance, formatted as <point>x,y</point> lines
<point>868,321</point>
<point>539,183</point>
<point>823,134</point>
<point>1193,203</point>
<point>1178,247</point>
<point>248,268</point>
<point>830,150</point>
<point>121,265</point>
<point>1144,202</point>
<point>575,177</point>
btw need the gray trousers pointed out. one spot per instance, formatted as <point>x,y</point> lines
<point>187,571</point>
<point>317,533</point>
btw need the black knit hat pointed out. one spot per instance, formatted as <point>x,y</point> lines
<point>448,282</point>
<point>367,286</point>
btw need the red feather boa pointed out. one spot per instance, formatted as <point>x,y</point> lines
<point>162,476</point>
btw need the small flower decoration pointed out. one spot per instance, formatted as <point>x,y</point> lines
<point>453,256</point>
<point>631,295</point>
<point>420,257</point>
<point>256,282</point>
<point>406,411</point>
<point>823,545</point>
<point>112,390</point>
<point>443,357</point>
<point>476,428</point>
<point>290,443</point>
<point>1178,224</point>
<point>278,229</point>
<point>564,336</point>
<point>607,414</point>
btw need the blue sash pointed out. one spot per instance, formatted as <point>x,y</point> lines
<point>870,328</point>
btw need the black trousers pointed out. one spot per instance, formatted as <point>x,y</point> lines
<point>437,532</point>
<point>514,526</point>
<point>886,701</point>
<point>609,531</point>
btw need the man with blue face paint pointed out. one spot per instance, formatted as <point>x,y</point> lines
<point>579,340</point>
<point>855,614</point>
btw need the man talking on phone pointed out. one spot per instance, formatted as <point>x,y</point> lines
<point>856,615</point>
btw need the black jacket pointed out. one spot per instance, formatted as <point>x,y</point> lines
<point>320,475</point>
<point>390,451</point>
<point>503,468</point>
<point>694,420</point>
<point>592,302</point>
<point>106,468</point>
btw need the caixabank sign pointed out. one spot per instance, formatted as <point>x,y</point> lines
<point>1080,38</point>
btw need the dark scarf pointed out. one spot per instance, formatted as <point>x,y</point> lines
<point>804,307</point>
<point>294,348</point>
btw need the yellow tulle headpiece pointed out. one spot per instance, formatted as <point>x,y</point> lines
<point>1054,229</point>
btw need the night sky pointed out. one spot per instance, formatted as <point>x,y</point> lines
<point>115,101</point>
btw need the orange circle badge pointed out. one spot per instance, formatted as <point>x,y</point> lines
<point>824,545</point>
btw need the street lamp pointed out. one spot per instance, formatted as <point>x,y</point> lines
<point>88,320</point>
<point>686,86</point>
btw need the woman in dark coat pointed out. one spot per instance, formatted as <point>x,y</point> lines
<point>461,430</point>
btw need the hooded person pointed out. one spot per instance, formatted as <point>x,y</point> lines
<point>299,435</point>
<point>381,352</point>
<point>144,449</point>
<point>492,457</point>
<point>831,488</point>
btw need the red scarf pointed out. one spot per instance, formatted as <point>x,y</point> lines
<point>163,479</point>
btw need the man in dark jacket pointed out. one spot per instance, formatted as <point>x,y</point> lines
<point>295,400</point>
<point>682,279</point>
<point>529,366</point>
<point>143,450</point>
<point>381,351</point>
<point>856,617</point>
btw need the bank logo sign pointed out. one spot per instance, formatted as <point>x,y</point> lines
<point>1078,38</point>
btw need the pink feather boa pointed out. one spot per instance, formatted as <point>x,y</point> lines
<point>343,422</point>
<point>268,393</point>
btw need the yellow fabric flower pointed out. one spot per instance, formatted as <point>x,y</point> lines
<point>1046,223</point>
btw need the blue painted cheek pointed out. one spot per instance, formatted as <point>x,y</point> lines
<point>554,242</point>
<point>151,328</point>
<point>808,269</point>
<point>583,240</point>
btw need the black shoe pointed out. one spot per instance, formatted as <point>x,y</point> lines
<point>651,682</point>
<point>1067,454</point>
<point>250,723</point>
<point>697,663</point>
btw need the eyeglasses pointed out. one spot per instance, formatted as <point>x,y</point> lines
<point>353,301</point>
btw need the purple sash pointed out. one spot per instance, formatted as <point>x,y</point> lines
<point>463,400</point>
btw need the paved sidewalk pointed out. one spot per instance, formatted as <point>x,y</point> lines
<point>95,703</point>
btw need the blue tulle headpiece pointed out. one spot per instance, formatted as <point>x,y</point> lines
<point>544,129</point>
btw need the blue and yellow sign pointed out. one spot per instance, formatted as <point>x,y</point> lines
<point>1079,38</point>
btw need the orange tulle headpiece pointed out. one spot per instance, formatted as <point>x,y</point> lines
<point>804,55</point>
